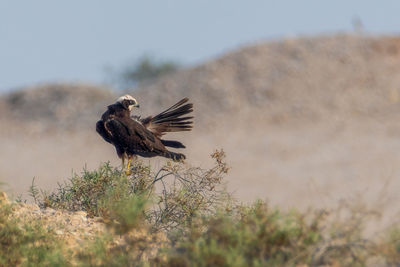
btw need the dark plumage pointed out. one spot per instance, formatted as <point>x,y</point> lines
<point>135,136</point>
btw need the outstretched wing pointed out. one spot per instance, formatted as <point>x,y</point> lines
<point>170,120</point>
<point>131,135</point>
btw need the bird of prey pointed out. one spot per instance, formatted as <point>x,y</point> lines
<point>133,136</point>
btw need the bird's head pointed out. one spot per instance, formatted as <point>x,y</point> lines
<point>128,102</point>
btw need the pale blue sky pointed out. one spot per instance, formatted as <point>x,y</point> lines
<point>50,40</point>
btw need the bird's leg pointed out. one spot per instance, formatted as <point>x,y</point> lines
<point>128,171</point>
<point>128,168</point>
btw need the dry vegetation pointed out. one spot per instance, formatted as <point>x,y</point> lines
<point>191,221</point>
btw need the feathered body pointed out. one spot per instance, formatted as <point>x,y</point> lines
<point>135,136</point>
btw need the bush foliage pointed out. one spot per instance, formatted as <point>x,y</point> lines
<point>177,192</point>
<point>181,215</point>
<point>27,243</point>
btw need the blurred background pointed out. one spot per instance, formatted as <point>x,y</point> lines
<point>304,96</point>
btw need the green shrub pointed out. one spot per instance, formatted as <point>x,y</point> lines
<point>27,243</point>
<point>126,241</point>
<point>259,236</point>
<point>187,192</point>
<point>123,213</point>
<point>105,251</point>
<point>246,236</point>
<point>389,246</point>
<point>183,191</point>
<point>87,191</point>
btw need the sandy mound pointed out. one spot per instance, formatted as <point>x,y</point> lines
<point>304,121</point>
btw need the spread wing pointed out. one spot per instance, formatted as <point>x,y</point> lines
<point>131,135</point>
<point>170,120</point>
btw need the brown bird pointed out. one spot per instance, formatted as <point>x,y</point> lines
<point>135,136</point>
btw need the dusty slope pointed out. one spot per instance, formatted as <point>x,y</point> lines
<point>304,121</point>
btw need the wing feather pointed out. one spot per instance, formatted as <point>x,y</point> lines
<point>103,132</point>
<point>131,135</point>
<point>170,120</point>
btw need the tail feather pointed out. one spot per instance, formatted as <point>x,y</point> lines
<point>174,144</point>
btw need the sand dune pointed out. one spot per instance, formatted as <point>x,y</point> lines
<point>305,121</point>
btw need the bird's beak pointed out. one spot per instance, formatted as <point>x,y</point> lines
<point>134,103</point>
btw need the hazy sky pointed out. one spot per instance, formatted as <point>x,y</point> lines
<point>50,40</point>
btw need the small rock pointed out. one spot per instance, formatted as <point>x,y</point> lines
<point>31,207</point>
<point>81,212</point>
<point>77,219</point>
<point>59,232</point>
<point>49,211</point>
